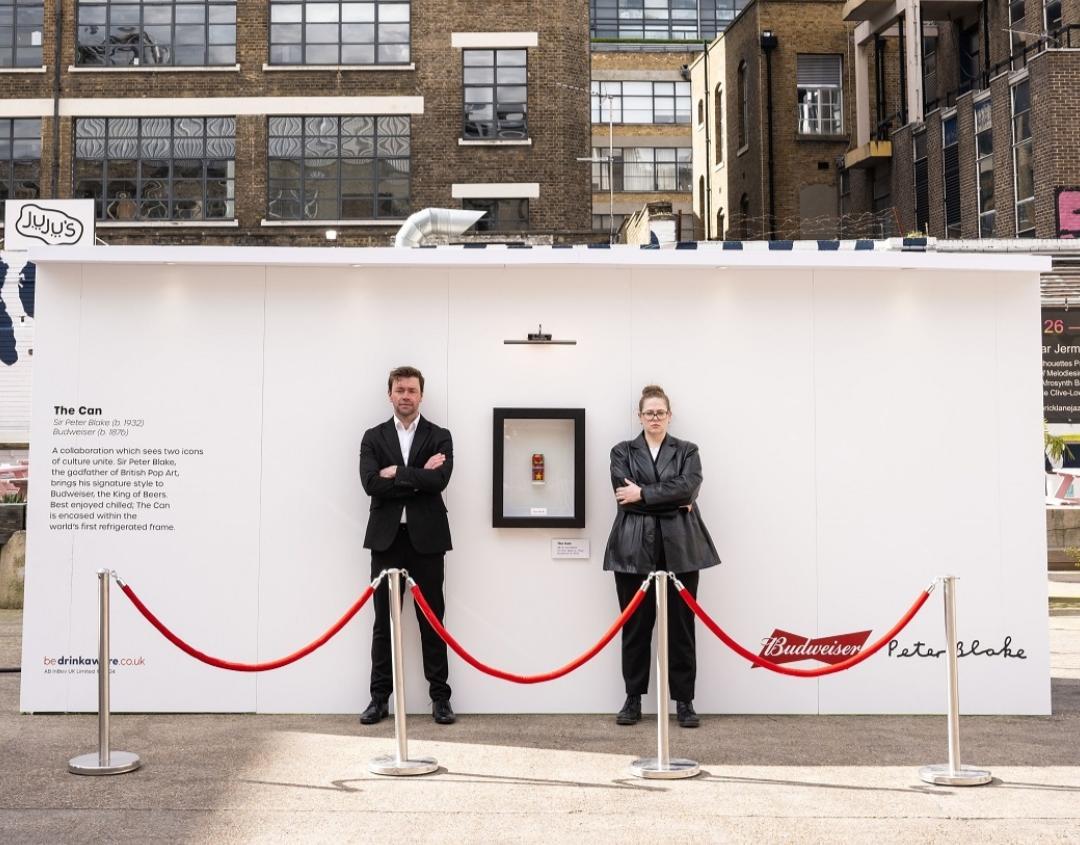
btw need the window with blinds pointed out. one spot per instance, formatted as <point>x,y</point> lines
<point>922,192</point>
<point>820,107</point>
<point>950,150</point>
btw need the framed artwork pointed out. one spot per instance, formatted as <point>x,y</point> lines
<point>538,478</point>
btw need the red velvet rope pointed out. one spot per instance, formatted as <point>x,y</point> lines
<point>854,660</point>
<point>433,620</point>
<point>247,667</point>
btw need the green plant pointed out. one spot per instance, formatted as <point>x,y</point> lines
<point>1056,447</point>
<point>11,499</point>
<point>1074,555</point>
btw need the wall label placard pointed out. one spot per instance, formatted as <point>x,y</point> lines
<point>576,548</point>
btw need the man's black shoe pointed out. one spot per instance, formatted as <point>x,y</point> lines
<point>442,713</point>
<point>631,711</point>
<point>376,711</point>
<point>684,712</point>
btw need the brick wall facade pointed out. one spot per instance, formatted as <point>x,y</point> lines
<point>1054,77</point>
<point>558,118</point>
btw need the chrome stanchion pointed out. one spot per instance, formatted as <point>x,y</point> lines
<point>662,766</point>
<point>104,761</point>
<point>953,774</point>
<point>399,764</point>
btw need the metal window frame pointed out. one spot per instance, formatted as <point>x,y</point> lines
<point>718,118</point>
<point>708,22</point>
<point>492,124</point>
<point>493,220</point>
<point>944,175</point>
<point>303,43</point>
<point>15,27</point>
<point>138,159</point>
<point>599,160</point>
<point>7,164</point>
<point>1047,28</point>
<point>817,126</point>
<point>109,50</point>
<point>742,82</point>
<point>375,158</point>
<point>916,159</point>
<point>1029,141</point>
<point>597,96</point>
<point>989,130</point>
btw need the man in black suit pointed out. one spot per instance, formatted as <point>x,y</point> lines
<point>405,464</point>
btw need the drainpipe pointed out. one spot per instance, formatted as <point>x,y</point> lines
<point>769,42</point>
<point>707,199</point>
<point>58,39</point>
<point>983,74</point>
<point>903,71</point>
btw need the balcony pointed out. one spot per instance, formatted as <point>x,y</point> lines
<point>868,155</point>
<point>931,10</point>
<point>939,10</point>
<point>865,10</point>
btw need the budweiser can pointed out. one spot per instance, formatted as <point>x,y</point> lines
<point>538,468</point>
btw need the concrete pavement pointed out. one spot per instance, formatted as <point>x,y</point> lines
<point>226,779</point>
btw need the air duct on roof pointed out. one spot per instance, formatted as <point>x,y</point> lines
<point>437,222</point>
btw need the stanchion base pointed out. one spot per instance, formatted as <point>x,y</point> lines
<point>964,776</point>
<point>119,763</point>
<point>388,764</point>
<point>649,767</point>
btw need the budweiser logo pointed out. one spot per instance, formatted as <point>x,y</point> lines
<point>785,647</point>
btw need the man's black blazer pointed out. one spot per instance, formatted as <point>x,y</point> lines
<point>416,489</point>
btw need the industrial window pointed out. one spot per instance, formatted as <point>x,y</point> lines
<point>929,65</point>
<point>720,225</point>
<point>640,102</point>
<point>922,192</point>
<point>21,26</point>
<point>1016,25</point>
<point>502,215</point>
<point>665,20</point>
<point>337,168</point>
<point>718,144</point>
<point>20,158</point>
<point>340,32</point>
<point>607,222</point>
<point>157,168</point>
<point>144,32</point>
<point>969,58</point>
<point>1023,160</point>
<point>820,107</point>
<point>1052,14</point>
<point>744,104</point>
<point>648,169</point>
<point>495,94</point>
<point>950,151</point>
<point>984,166</point>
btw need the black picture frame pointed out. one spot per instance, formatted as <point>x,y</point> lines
<point>499,519</point>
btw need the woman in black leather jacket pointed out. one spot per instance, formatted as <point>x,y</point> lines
<point>656,478</point>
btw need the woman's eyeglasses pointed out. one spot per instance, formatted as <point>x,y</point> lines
<point>654,415</point>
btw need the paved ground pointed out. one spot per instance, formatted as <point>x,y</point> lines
<point>225,779</point>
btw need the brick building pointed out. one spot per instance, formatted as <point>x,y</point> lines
<point>773,117</point>
<point>980,138</point>
<point>271,121</point>
<point>641,104</point>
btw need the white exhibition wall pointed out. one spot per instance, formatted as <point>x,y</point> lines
<point>864,427</point>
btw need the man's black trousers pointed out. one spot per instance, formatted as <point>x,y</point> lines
<point>637,637</point>
<point>427,571</point>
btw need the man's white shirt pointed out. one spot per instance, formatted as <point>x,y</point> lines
<point>405,438</point>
